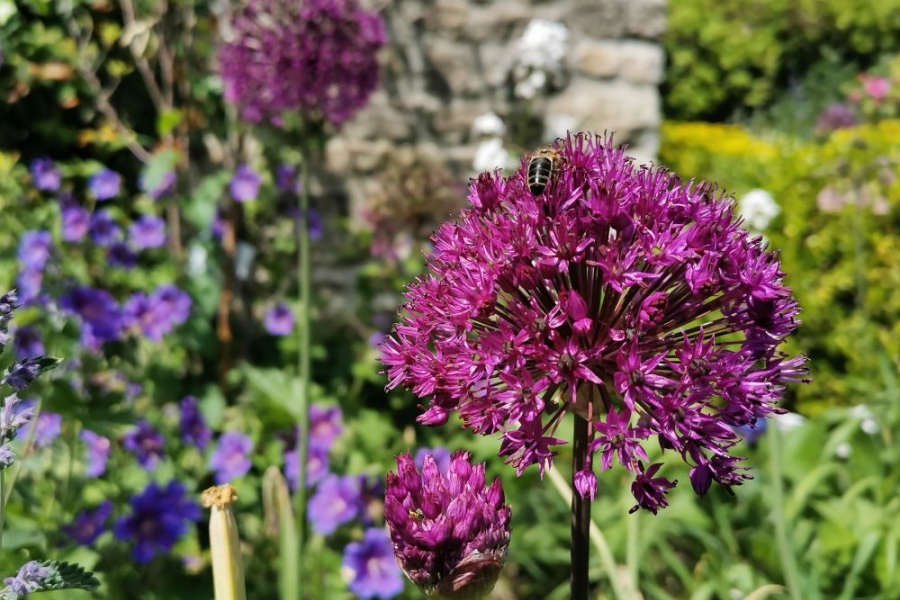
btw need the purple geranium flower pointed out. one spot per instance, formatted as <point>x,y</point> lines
<point>280,320</point>
<point>336,501</point>
<point>324,425</point>
<point>89,525</point>
<point>97,452</point>
<point>371,567</point>
<point>439,454</point>
<point>47,428</point>
<point>231,458</point>
<point>449,531</point>
<point>44,174</point>
<point>174,301</point>
<point>121,256</point>
<point>160,517</point>
<point>147,231</point>
<point>615,292</point>
<point>34,249</point>
<point>317,58</point>
<point>244,185</point>
<point>146,443</point>
<point>316,466</point>
<point>99,312</point>
<point>75,223</point>
<point>147,315</point>
<point>194,431</point>
<point>104,230</point>
<point>105,184</point>
<point>27,342</point>
<point>29,285</point>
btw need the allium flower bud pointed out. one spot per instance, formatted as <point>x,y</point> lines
<point>450,532</point>
<point>615,293</point>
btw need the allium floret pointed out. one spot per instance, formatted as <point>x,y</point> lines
<point>619,294</point>
<point>450,532</point>
<point>315,57</point>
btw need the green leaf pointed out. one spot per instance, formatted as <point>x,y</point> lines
<point>68,576</point>
<point>168,120</point>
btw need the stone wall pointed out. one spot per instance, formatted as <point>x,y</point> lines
<point>450,61</point>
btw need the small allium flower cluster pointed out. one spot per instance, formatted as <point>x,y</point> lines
<point>450,532</point>
<point>159,517</point>
<point>316,57</point>
<point>758,208</point>
<point>618,294</point>
<point>540,53</point>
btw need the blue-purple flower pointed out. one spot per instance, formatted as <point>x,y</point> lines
<point>317,58</point>
<point>105,184</point>
<point>316,466</point>
<point>160,517</point>
<point>148,231</point>
<point>76,221</point>
<point>44,174</point>
<point>46,429</point>
<point>286,179</point>
<point>104,230</point>
<point>28,342</point>
<point>244,185</point>
<point>174,301</point>
<point>29,284</point>
<point>121,256</point>
<point>336,501</point>
<point>194,431</point>
<point>279,320</point>
<point>100,314</point>
<point>231,458</point>
<point>370,566</point>
<point>89,524</point>
<point>439,454</point>
<point>324,425</point>
<point>97,449</point>
<point>34,249</point>
<point>146,443</point>
<point>30,578</point>
<point>145,314</point>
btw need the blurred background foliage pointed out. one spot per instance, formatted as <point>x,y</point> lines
<point>750,96</point>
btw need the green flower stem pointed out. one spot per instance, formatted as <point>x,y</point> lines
<point>2,503</point>
<point>785,551</point>
<point>304,366</point>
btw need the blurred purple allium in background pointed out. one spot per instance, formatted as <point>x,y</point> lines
<point>147,231</point>
<point>34,249</point>
<point>160,517</point>
<point>370,566</point>
<point>103,229</point>
<point>316,57</point>
<point>104,184</point>
<point>146,443</point>
<point>44,174</point>
<point>231,458</point>
<point>89,524</point>
<point>279,320</point>
<point>244,185</point>
<point>75,223</point>
<point>194,431</point>
<point>97,449</point>
<point>588,299</point>
<point>27,342</point>
<point>836,115</point>
<point>450,533</point>
<point>336,501</point>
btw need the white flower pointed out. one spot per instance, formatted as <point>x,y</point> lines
<point>542,46</point>
<point>558,125</point>
<point>490,155</point>
<point>869,423</point>
<point>243,260</point>
<point>843,450</point>
<point>196,261</point>
<point>488,125</point>
<point>789,421</point>
<point>758,208</point>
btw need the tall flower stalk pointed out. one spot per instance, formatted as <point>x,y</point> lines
<point>619,295</point>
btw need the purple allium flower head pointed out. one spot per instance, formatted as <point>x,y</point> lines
<point>28,580</point>
<point>286,179</point>
<point>439,454</point>
<point>174,301</point>
<point>75,223</point>
<point>244,185</point>
<point>104,184</point>
<point>450,532</point>
<point>316,466</point>
<point>89,525</point>
<point>100,314</point>
<point>148,231</point>
<point>34,249</point>
<point>120,255</point>
<point>194,431</point>
<point>165,186</point>
<point>617,294</point>
<point>231,458</point>
<point>29,284</point>
<point>44,174</point>
<point>146,443</point>
<point>371,567</point>
<point>835,116</point>
<point>279,320</point>
<point>316,57</point>
<point>160,517</point>
<point>336,501</point>
<point>104,230</point>
<point>28,342</point>
<point>324,425</point>
<point>97,452</point>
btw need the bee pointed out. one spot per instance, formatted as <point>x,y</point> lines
<point>542,168</point>
<point>417,515</point>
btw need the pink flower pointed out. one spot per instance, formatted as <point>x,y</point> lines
<point>876,87</point>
